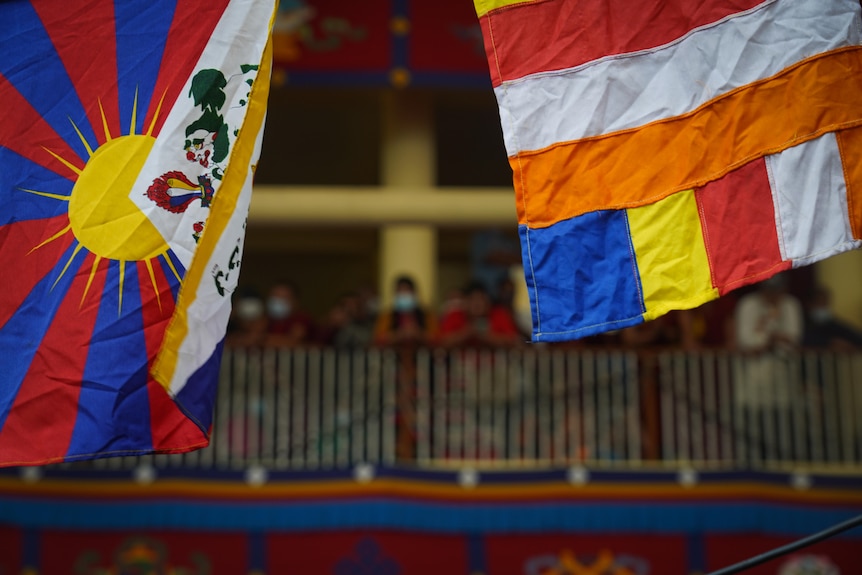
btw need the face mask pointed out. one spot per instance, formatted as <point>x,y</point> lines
<point>277,308</point>
<point>821,315</point>
<point>404,301</point>
<point>249,309</point>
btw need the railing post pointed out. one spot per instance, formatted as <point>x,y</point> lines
<point>650,406</point>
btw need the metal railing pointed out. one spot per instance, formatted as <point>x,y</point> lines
<point>306,409</point>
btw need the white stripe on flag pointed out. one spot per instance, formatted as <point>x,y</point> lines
<point>627,91</point>
<point>810,198</point>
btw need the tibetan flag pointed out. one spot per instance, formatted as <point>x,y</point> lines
<point>128,137</point>
<point>666,152</point>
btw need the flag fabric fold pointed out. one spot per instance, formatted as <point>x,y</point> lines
<point>129,132</point>
<point>666,154</point>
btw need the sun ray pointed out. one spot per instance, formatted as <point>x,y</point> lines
<point>60,197</point>
<point>134,114</point>
<point>122,280</point>
<point>62,232</point>
<point>90,279</point>
<point>156,114</point>
<point>171,265</point>
<point>77,249</point>
<point>82,138</point>
<point>149,263</point>
<point>108,137</point>
<point>65,162</point>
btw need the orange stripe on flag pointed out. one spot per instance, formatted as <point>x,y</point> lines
<point>643,165</point>
<point>850,145</point>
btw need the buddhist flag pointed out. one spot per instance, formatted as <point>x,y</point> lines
<point>128,137</point>
<point>666,152</point>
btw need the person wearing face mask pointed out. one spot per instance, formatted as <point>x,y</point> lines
<point>406,323</point>
<point>248,323</point>
<point>289,325</point>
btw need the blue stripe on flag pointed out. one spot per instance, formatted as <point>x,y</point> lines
<point>22,335</point>
<point>114,407</point>
<point>140,25</point>
<point>24,47</point>
<point>197,397</point>
<point>563,260</point>
<point>20,174</point>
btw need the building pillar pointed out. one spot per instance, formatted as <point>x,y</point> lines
<point>408,166</point>
<point>842,275</point>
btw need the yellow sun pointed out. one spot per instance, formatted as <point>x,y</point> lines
<point>102,215</point>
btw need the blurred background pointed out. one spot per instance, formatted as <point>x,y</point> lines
<point>380,409</point>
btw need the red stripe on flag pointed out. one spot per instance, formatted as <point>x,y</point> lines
<point>191,29</point>
<point>18,117</point>
<point>543,36</point>
<point>25,266</point>
<point>40,424</point>
<point>738,218</point>
<point>170,427</point>
<point>82,37</point>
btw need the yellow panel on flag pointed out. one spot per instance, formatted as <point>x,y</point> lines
<point>124,183</point>
<point>626,146</point>
<point>668,241</point>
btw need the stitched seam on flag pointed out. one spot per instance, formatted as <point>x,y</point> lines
<point>638,53</point>
<point>854,228</point>
<point>592,326</point>
<point>704,228</point>
<point>494,45</point>
<point>513,127</point>
<point>761,273</point>
<point>837,248</point>
<point>773,188</point>
<point>634,263</point>
<point>535,284</point>
<point>165,366</point>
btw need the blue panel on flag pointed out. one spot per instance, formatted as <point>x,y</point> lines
<point>562,263</point>
<point>197,397</point>
<point>20,174</point>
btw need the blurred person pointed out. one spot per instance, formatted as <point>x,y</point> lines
<point>369,301</point>
<point>289,325</point>
<point>407,322</point>
<point>349,324</point>
<point>248,323</point>
<point>406,326</point>
<point>479,323</point>
<point>492,254</point>
<point>822,329</point>
<point>769,319</point>
<point>769,327</point>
